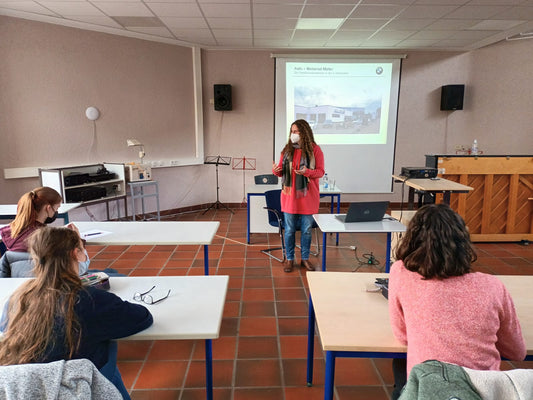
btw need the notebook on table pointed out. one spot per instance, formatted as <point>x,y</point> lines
<point>364,212</point>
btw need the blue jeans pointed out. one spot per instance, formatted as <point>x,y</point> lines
<point>111,372</point>
<point>294,222</point>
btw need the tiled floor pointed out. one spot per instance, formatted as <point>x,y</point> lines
<point>261,354</point>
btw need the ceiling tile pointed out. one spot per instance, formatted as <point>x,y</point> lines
<point>476,12</point>
<point>272,34</point>
<point>421,11</point>
<point>229,23</point>
<point>156,31</point>
<point>123,9</point>
<point>139,21</point>
<point>226,10</point>
<point>496,25</point>
<point>232,33</point>
<point>96,20</point>
<point>274,23</point>
<point>26,6</point>
<point>72,8</point>
<point>326,11</point>
<point>175,9</point>
<point>184,23</point>
<point>417,43</point>
<point>426,35</point>
<point>276,10</point>
<point>377,11</point>
<point>515,13</point>
<point>363,23</point>
<point>452,24</point>
<point>402,24</point>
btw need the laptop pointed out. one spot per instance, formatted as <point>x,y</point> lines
<point>364,212</point>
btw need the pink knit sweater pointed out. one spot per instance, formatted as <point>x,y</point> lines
<point>468,320</point>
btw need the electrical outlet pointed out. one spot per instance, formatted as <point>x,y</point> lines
<point>352,247</point>
<point>174,163</point>
<point>458,147</point>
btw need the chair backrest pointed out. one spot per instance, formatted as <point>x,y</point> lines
<point>267,179</point>
<point>15,264</point>
<point>273,201</point>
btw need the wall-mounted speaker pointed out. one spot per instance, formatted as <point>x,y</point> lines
<point>451,97</point>
<point>222,97</point>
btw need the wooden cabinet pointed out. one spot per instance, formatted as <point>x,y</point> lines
<point>500,206</point>
<point>88,184</point>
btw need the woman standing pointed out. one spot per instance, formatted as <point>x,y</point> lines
<point>301,165</point>
<point>53,317</point>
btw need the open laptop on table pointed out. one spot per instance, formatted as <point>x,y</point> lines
<point>364,212</point>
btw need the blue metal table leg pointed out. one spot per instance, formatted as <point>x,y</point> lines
<point>310,342</point>
<point>330,375</point>
<point>206,260</point>
<point>387,255</point>
<point>209,369</point>
<point>338,212</point>
<point>324,239</point>
<point>248,218</point>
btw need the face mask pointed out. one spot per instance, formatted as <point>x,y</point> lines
<point>295,137</point>
<point>49,220</point>
<point>83,266</point>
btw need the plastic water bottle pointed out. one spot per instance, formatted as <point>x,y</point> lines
<point>474,149</point>
<point>326,181</point>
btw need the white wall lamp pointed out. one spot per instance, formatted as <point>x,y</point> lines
<point>135,142</point>
<point>92,113</point>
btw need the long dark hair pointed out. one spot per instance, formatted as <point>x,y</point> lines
<point>34,308</point>
<point>437,243</point>
<point>30,204</point>
<point>307,140</point>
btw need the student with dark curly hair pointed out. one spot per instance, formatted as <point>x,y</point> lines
<point>439,307</point>
<point>300,166</point>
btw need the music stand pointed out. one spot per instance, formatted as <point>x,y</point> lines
<point>244,164</point>
<point>217,160</point>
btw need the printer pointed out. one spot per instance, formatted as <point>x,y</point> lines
<point>138,172</point>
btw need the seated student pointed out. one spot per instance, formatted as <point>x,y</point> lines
<point>441,309</point>
<point>35,209</point>
<point>54,317</point>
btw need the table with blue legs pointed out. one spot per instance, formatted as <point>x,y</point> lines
<point>193,309</point>
<point>257,217</point>
<point>329,224</point>
<point>150,232</point>
<point>354,322</point>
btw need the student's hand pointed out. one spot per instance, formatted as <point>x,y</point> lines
<point>276,168</point>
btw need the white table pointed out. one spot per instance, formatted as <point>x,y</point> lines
<point>257,216</point>
<point>193,309</point>
<point>363,329</point>
<point>329,224</point>
<point>9,211</point>
<point>151,233</point>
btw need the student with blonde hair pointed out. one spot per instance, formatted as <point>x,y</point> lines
<point>53,317</point>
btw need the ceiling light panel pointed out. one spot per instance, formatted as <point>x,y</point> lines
<point>318,23</point>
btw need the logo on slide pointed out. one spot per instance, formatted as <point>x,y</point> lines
<point>379,70</point>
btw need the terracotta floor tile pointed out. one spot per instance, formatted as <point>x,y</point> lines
<point>144,272</point>
<point>293,325</point>
<point>132,255</point>
<point>296,346</point>
<point>295,372</point>
<point>290,294</point>
<point>123,263</point>
<point>237,271</point>
<point>288,280</point>
<point>258,347</point>
<point>140,248</point>
<point>304,393</point>
<point>257,271</point>
<point>224,348</point>
<point>229,326</point>
<point>258,309</point>
<point>231,262</point>
<point>178,263</point>
<point>258,282</point>
<point>265,373</point>
<point>258,394</point>
<point>261,326</point>
<point>174,271</point>
<point>355,371</point>
<point>234,295</point>
<point>292,308</point>
<point>199,394</point>
<point>129,371</point>
<point>222,374</point>
<point>249,294</point>
<point>156,394</point>
<point>362,393</point>
<point>132,350</point>
<point>162,374</point>
<point>232,309</point>
<point>171,350</point>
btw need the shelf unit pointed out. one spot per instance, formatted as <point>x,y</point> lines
<point>113,189</point>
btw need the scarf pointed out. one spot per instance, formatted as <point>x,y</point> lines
<point>300,182</point>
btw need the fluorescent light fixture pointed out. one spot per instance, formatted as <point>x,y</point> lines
<point>135,142</point>
<point>319,23</point>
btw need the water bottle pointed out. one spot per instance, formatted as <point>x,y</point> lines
<point>326,181</point>
<point>474,150</point>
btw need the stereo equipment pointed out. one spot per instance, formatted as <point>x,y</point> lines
<point>76,178</point>
<point>138,172</point>
<point>102,176</point>
<point>222,97</point>
<point>77,195</point>
<point>419,172</point>
<point>451,97</point>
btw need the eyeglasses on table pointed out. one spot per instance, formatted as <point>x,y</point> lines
<point>148,298</point>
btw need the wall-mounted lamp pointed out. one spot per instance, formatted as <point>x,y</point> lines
<point>135,142</point>
<point>92,113</point>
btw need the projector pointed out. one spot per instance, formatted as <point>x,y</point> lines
<point>138,172</point>
<point>419,172</point>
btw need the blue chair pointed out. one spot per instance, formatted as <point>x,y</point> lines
<point>276,219</point>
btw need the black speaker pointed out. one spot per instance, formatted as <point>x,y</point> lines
<point>222,97</point>
<point>451,97</point>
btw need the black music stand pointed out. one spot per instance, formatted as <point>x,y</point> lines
<point>217,160</point>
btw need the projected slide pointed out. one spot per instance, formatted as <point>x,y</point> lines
<point>345,103</point>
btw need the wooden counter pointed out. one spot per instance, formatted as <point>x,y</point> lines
<point>498,209</point>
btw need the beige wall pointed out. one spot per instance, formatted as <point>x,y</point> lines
<point>497,110</point>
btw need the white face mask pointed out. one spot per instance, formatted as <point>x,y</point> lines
<point>295,137</point>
